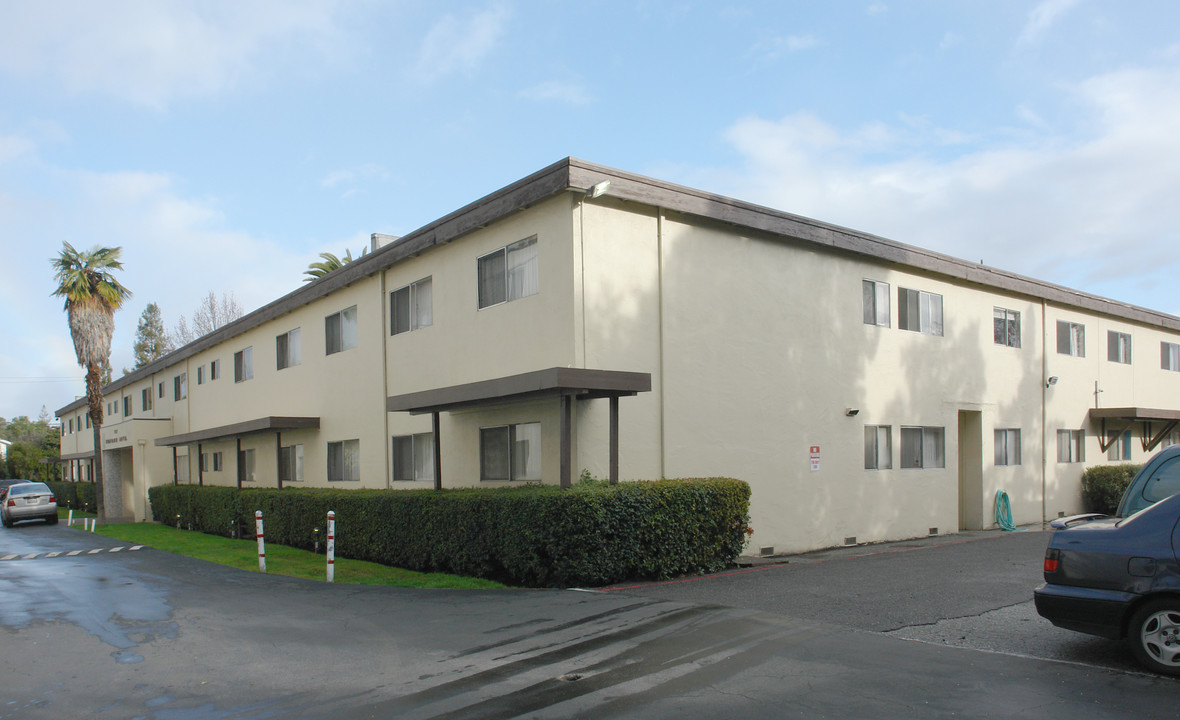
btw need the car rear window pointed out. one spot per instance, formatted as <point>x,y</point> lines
<point>28,488</point>
<point>1164,482</point>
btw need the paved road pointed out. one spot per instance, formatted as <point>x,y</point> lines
<point>145,634</point>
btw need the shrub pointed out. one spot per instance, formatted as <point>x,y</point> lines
<point>536,536</point>
<point>76,495</point>
<point>1103,486</point>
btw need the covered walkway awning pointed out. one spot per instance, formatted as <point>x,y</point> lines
<point>568,384</point>
<point>1120,419</point>
<point>249,427</point>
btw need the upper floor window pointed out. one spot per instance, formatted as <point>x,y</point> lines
<point>200,374</point>
<point>411,307</point>
<point>1118,347</point>
<point>919,311</point>
<point>1071,338</point>
<point>1170,356</point>
<point>922,447</point>
<point>875,297</point>
<point>509,273</point>
<point>126,406</point>
<point>214,369</point>
<point>1006,327</point>
<point>340,331</point>
<point>161,391</point>
<point>146,399</point>
<point>180,386</point>
<point>244,364</point>
<point>288,349</point>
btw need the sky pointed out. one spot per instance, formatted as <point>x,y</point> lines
<point>224,144</point>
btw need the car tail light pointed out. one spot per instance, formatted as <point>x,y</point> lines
<point>52,499</point>
<point>1052,560</point>
<point>11,502</point>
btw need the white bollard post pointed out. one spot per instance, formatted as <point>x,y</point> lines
<point>93,523</point>
<point>261,542</point>
<point>331,546</point>
<point>70,518</point>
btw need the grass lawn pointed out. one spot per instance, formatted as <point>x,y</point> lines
<point>280,559</point>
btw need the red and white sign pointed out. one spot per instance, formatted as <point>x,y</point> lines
<point>814,458</point>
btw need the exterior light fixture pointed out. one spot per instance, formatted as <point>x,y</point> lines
<point>851,412</point>
<point>594,191</point>
<point>1051,382</point>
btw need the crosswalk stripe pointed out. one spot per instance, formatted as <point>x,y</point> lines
<point>71,553</point>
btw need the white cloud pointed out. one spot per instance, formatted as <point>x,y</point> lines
<point>1093,212</point>
<point>459,45</point>
<point>1042,17</point>
<point>352,179</point>
<point>150,53</point>
<point>557,91</point>
<point>772,50</point>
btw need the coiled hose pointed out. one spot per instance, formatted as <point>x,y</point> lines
<point>1004,513</point>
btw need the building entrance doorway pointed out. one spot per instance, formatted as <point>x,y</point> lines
<point>970,470</point>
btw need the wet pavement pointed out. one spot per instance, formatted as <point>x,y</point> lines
<point>145,634</point>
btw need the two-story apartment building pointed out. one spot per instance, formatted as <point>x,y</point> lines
<point>585,318</point>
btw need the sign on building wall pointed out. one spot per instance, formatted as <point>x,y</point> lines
<point>814,458</point>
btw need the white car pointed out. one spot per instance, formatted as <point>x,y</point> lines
<point>28,501</point>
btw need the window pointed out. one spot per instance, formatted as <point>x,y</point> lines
<point>510,452</point>
<point>340,331</point>
<point>203,463</point>
<point>1006,327</point>
<point>1121,449</point>
<point>246,469</point>
<point>1170,356</point>
<point>344,461</point>
<point>1007,446</point>
<point>288,349</point>
<point>218,463</point>
<point>922,447</point>
<point>509,273</point>
<point>161,391</point>
<point>919,311</point>
<point>878,447</point>
<point>291,464</point>
<point>1071,338</point>
<point>87,421</point>
<point>875,297</point>
<point>126,406</point>
<point>200,374</point>
<point>413,457</point>
<point>1071,446</point>
<point>71,427</point>
<point>180,386</point>
<point>411,307</point>
<point>1118,347</point>
<point>145,400</point>
<point>214,369</point>
<point>244,364</point>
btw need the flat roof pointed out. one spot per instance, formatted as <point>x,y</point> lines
<point>249,427</point>
<point>579,382</point>
<point>574,174</point>
<point>1134,413</point>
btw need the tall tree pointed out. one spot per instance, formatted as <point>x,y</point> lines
<point>328,262</point>
<point>211,314</point>
<point>151,339</point>
<point>86,281</point>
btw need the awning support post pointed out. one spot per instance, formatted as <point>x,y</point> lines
<point>437,451</point>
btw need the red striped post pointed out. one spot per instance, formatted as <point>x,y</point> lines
<point>261,541</point>
<point>331,546</point>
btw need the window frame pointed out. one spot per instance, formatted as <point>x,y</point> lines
<point>1006,327</point>
<point>244,364</point>
<point>289,349</point>
<point>339,449</point>
<point>874,458</point>
<point>872,292</point>
<point>503,258</point>
<point>1074,446</point>
<point>416,295</point>
<point>214,370</point>
<point>1118,347</point>
<point>247,465</point>
<point>1169,356</point>
<point>1075,338</point>
<point>421,461</point>
<point>1008,449</point>
<point>511,431</point>
<point>927,434</point>
<point>1120,449</point>
<point>926,304</point>
<point>336,331</point>
<point>126,406</point>
<point>180,387</point>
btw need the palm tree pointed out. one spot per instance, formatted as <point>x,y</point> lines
<point>328,263</point>
<point>92,295</point>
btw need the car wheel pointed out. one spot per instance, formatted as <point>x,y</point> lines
<point>1155,635</point>
<point>7,522</point>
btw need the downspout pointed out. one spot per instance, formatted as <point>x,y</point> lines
<point>660,321</point>
<point>1044,411</point>
<point>385,441</point>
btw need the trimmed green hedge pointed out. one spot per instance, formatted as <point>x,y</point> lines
<point>534,536</point>
<point>76,495</point>
<point>1103,486</point>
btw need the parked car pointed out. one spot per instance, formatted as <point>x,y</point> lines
<point>28,501</point>
<point>1119,577</point>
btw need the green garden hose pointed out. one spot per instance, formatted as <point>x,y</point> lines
<point>1004,513</point>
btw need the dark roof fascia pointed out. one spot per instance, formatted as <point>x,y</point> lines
<point>580,382</point>
<point>77,456</point>
<point>1134,413</point>
<point>249,427</point>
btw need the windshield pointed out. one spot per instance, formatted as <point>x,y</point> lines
<point>28,488</point>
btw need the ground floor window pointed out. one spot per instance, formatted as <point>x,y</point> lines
<point>291,464</point>
<point>1121,450</point>
<point>510,452</point>
<point>1007,446</point>
<point>1071,446</point>
<point>413,457</point>
<point>246,467</point>
<point>344,461</point>
<point>878,447</point>
<point>922,447</point>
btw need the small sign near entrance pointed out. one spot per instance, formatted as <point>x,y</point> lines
<point>814,458</point>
